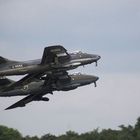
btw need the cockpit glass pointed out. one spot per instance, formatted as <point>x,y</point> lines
<point>77,52</point>
<point>77,73</point>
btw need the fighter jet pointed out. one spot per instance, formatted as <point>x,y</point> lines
<point>55,58</point>
<point>35,90</point>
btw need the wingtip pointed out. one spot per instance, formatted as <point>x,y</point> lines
<point>8,108</point>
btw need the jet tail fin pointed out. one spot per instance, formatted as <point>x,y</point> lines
<point>3,60</point>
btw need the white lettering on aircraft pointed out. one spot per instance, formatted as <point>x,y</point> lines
<point>17,66</point>
<point>25,87</point>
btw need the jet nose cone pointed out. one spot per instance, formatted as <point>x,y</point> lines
<point>97,78</point>
<point>95,57</point>
<point>94,78</point>
<point>98,57</point>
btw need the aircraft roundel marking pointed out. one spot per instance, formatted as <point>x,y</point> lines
<point>25,87</point>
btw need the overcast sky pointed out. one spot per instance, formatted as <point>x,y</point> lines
<point>109,28</point>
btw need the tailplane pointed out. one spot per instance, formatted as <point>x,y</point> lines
<point>3,60</point>
<point>5,82</point>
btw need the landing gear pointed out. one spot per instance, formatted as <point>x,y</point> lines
<point>95,84</point>
<point>96,64</point>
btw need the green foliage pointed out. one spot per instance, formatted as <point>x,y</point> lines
<point>48,137</point>
<point>70,135</point>
<point>125,133</point>
<point>9,134</point>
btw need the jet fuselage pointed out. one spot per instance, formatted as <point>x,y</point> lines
<point>28,67</point>
<point>75,81</point>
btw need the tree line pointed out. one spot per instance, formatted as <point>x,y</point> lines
<point>124,133</point>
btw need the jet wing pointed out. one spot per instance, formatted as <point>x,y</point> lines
<point>62,77</point>
<point>22,102</point>
<point>54,54</point>
<point>28,99</point>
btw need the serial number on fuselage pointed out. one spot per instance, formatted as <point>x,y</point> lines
<point>17,66</point>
